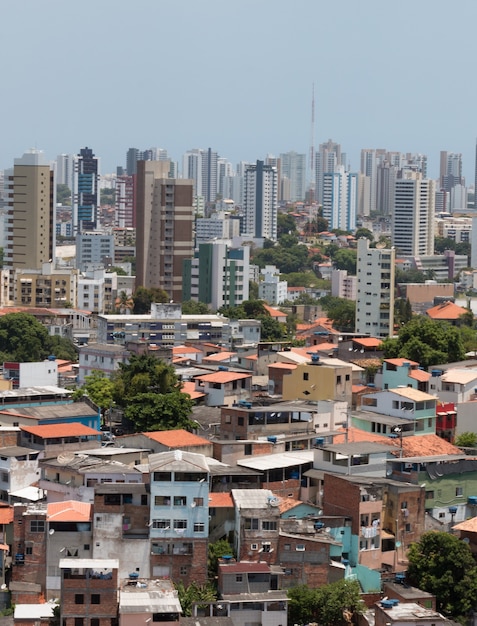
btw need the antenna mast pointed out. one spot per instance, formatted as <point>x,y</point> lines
<point>312,147</point>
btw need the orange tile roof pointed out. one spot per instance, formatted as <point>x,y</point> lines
<point>222,377</point>
<point>446,311</point>
<point>177,438</point>
<point>6,514</point>
<point>273,312</point>
<point>189,388</point>
<point>356,435</point>
<point>53,431</point>
<point>286,504</point>
<point>427,445</point>
<point>469,525</point>
<point>220,356</point>
<point>282,366</point>
<point>420,375</point>
<point>252,357</point>
<point>221,500</point>
<point>400,362</point>
<point>368,342</point>
<point>358,388</point>
<point>69,511</point>
<point>185,350</point>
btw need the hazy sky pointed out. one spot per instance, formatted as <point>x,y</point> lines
<point>237,76</point>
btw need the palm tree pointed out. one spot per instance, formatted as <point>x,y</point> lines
<point>124,302</point>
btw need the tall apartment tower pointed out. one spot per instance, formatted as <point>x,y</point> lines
<point>31,208</point>
<point>64,169</point>
<point>340,199</point>
<point>413,216</point>
<point>327,159</point>
<point>450,171</point>
<point>260,201</point>
<point>164,224</point>
<point>293,167</point>
<point>85,191</point>
<point>201,166</point>
<point>124,214</point>
<point>375,290</point>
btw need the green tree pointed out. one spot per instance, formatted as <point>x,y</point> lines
<point>63,195</point>
<point>341,311</point>
<point>108,196</point>
<point>217,550</point>
<point>285,224</point>
<point>426,341</point>
<point>23,338</point>
<point>144,373</point>
<point>195,593</point>
<point>271,329</point>
<point>114,269</point>
<point>160,411</point>
<point>2,255</point>
<point>345,259</point>
<point>364,232</point>
<point>253,290</point>
<point>98,388</point>
<point>124,303</point>
<point>330,605</point>
<point>443,565</point>
<point>402,311</point>
<point>62,348</point>
<point>301,279</point>
<point>466,440</point>
<point>190,307</point>
<point>143,298</point>
<point>409,276</point>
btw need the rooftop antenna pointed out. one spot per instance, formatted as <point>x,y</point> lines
<point>312,147</point>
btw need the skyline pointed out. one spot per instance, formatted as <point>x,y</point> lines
<point>238,79</point>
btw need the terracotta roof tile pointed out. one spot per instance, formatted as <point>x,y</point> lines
<point>185,350</point>
<point>189,388</point>
<point>368,342</point>
<point>420,375</point>
<point>177,438</point>
<point>52,431</point>
<point>6,514</point>
<point>446,311</point>
<point>273,312</point>
<point>69,511</point>
<point>220,356</point>
<point>286,504</point>
<point>222,377</point>
<point>400,362</point>
<point>282,366</point>
<point>221,500</point>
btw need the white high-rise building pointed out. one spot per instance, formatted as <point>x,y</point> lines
<point>293,167</point>
<point>201,166</point>
<point>260,201</point>
<point>340,199</point>
<point>375,290</point>
<point>413,216</point>
<point>64,169</point>
<point>327,159</point>
<point>271,288</point>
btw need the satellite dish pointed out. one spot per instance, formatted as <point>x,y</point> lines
<point>51,531</point>
<point>466,540</point>
<point>65,458</point>
<point>327,529</point>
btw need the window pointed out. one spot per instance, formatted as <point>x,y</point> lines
<point>95,598</point>
<point>238,578</point>
<point>459,491</point>
<point>408,528</point>
<point>94,621</point>
<point>251,523</point>
<point>300,547</point>
<point>165,524</point>
<point>228,419</point>
<point>306,376</point>
<point>404,504</point>
<point>144,500</point>
<point>79,621</point>
<point>199,527</point>
<point>37,526</point>
<point>247,449</point>
<point>180,501</point>
<point>266,547</point>
<point>198,502</point>
<point>254,546</point>
<point>162,476</point>
<point>184,570</point>
<point>79,598</point>
<point>287,546</point>
<point>240,421</point>
<point>162,500</point>
<point>180,524</point>
<point>269,525</point>
<point>5,477</point>
<point>29,550</point>
<point>86,547</point>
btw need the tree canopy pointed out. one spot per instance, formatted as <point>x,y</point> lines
<point>427,341</point>
<point>23,338</point>
<point>150,393</point>
<point>98,388</point>
<point>443,565</point>
<point>341,311</point>
<point>143,298</point>
<point>190,307</point>
<point>329,605</point>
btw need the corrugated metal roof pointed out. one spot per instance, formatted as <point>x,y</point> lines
<point>273,461</point>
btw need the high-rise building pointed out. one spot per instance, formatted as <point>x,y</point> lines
<point>375,290</point>
<point>218,275</point>
<point>201,166</point>
<point>124,199</point>
<point>31,204</point>
<point>134,155</point>
<point>164,223</point>
<point>414,213</point>
<point>64,169</point>
<point>260,202</point>
<point>85,192</point>
<point>450,170</point>
<point>340,199</point>
<point>293,167</point>
<point>327,159</point>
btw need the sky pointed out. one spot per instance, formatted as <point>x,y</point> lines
<point>237,76</point>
